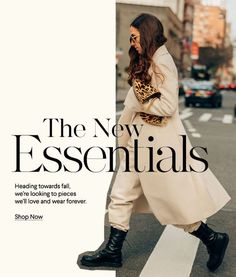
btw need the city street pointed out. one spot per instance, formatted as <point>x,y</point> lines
<point>165,251</point>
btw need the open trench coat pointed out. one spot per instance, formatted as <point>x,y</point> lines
<point>173,197</point>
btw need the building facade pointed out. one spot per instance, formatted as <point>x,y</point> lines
<point>177,6</point>
<point>234,59</point>
<point>209,26</point>
<point>188,21</point>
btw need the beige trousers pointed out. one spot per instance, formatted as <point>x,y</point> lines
<point>125,190</point>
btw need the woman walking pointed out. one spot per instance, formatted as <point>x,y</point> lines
<point>180,193</point>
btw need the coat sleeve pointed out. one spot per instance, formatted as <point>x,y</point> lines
<point>125,118</point>
<point>167,104</point>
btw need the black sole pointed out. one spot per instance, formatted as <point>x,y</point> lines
<point>105,264</point>
<point>222,254</point>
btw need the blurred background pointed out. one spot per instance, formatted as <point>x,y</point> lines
<point>201,39</point>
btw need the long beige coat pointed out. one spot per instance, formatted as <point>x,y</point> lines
<point>173,197</point>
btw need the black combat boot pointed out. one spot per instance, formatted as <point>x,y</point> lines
<point>111,255</point>
<point>215,242</point>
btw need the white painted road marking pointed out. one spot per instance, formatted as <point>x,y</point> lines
<point>186,115</point>
<point>186,110</point>
<point>173,255</point>
<point>205,117</point>
<point>188,124</point>
<point>191,129</point>
<point>119,113</point>
<point>196,135</point>
<point>227,119</point>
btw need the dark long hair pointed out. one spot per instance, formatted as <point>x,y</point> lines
<point>151,37</point>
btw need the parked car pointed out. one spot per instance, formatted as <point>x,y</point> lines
<point>203,92</point>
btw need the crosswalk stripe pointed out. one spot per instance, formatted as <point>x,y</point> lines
<point>227,119</point>
<point>173,255</point>
<point>205,117</point>
<point>188,124</point>
<point>119,113</point>
<point>196,135</point>
<point>186,110</point>
<point>192,130</point>
<point>186,115</point>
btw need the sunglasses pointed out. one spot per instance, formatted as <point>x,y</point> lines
<point>133,38</point>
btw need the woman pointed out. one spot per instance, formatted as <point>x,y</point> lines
<point>181,198</point>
